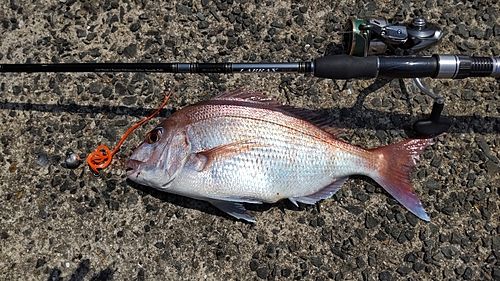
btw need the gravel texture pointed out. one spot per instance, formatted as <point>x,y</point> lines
<point>67,224</point>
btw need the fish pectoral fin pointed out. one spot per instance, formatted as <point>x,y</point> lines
<point>234,209</point>
<point>205,157</point>
<point>326,192</point>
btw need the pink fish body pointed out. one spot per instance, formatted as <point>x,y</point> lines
<point>243,147</point>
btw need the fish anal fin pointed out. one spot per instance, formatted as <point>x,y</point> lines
<point>234,209</point>
<point>205,157</point>
<point>326,192</point>
<point>396,161</point>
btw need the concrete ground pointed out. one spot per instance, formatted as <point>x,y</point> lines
<point>68,224</point>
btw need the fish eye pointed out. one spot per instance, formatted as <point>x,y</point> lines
<point>154,135</point>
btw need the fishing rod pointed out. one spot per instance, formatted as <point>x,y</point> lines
<point>333,67</point>
<point>374,47</point>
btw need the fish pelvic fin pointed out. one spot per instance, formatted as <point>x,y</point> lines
<point>394,168</point>
<point>234,209</point>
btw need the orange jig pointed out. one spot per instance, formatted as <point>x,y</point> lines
<point>101,158</point>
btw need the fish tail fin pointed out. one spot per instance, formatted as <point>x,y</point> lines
<point>394,168</point>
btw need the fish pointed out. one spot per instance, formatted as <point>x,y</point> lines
<point>243,146</point>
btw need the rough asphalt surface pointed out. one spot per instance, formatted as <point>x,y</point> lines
<point>62,224</point>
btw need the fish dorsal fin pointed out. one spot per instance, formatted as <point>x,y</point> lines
<point>264,99</point>
<point>268,101</point>
<point>249,95</point>
<point>334,131</point>
<point>322,121</point>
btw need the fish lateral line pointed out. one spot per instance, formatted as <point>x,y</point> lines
<point>326,133</point>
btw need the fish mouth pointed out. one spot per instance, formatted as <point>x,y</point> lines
<point>132,166</point>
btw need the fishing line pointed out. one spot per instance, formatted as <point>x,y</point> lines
<point>102,156</point>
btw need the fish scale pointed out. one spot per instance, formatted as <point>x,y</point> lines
<point>281,157</point>
<point>243,147</point>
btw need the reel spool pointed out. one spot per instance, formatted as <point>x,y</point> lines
<point>379,36</point>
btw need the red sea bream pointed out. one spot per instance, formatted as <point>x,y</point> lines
<point>243,147</point>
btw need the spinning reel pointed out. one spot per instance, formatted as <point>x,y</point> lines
<point>379,36</point>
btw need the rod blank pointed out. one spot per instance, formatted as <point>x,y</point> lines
<point>332,67</point>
